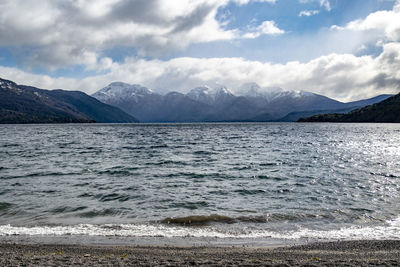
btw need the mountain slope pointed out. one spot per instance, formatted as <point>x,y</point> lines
<point>220,104</point>
<point>369,101</point>
<point>133,99</point>
<point>211,96</point>
<point>387,110</point>
<point>295,116</point>
<point>177,107</point>
<point>276,103</point>
<point>26,104</point>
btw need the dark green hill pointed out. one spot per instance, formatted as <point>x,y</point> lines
<point>385,111</point>
<point>26,104</point>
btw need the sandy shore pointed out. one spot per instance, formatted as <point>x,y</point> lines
<point>352,253</point>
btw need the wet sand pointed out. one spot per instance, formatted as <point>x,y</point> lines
<point>349,253</point>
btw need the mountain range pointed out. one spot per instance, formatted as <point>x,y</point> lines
<point>219,104</point>
<point>27,104</point>
<point>120,103</point>
<point>387,110</point>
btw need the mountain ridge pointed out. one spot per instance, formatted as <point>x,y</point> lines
<point>387,110</point>
<point>28,104</point>
<point>207,104</point>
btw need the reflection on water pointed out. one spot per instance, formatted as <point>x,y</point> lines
<point>267,179</point>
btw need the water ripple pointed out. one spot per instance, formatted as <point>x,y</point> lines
<point>271,176</point>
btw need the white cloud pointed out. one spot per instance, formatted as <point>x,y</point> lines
<point>308,13</point>
<point>382,23</point>
<point>153,26</point>
<point>342,76</point>
<point>323,3</point>
<point>377,29</point>
<point>381,26</point>
<point>60,33</point>
<point>268,27</point>
<point>396,6</point>
<point>244,2</point>
<point>326,4</point>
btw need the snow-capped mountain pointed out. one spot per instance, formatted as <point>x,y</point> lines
<point>210,96</point>
<point>251,103</point>
<point>253,90</point>
<point>118,91</point>
<point>132,98</point>
<point>28,104</point>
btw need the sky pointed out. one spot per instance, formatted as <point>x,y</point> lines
<point>344,49</point>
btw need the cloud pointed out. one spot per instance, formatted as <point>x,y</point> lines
<point>396,6</point>
<point>323,3</point>
<point>268,27</point>
<point>382,23</point>
<point>57,33</point>
<point>342,76</point>
<point>381,26</point>
<point>326,4</point>
<point>61,32</point>
<point>244,2</point>
<point>308,13</point>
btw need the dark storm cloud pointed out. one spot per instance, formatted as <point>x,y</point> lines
<point>383,80</point>
<point>142,11</point>
<point>193,19</point>
<point>151,27</point>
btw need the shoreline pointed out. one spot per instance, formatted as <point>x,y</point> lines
<point>350,253</point>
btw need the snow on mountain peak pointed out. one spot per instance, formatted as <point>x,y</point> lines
<point>270,93</point>
<point>119,84</point>
<point>198,91</point>
<point>221,90</point>
<point>249,87</point>
<point>121,91</point>
<point>298,94</point>
<point>10,86</point>
<point>254,90</point>
<point>208,94</point>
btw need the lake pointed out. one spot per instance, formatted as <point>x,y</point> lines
<point>218,183</point>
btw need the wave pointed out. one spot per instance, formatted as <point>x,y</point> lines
<point>100,213</point>
<point>158,146</point>
<point>250,192</point>
<point>388,175</point>
<point>217,218</point>
<point>203,152</point>
<point>134,147</point>
<point>65,209</point>
<point>112,197</point>
<point>10,145</point>
<point>391,230</point>
<point>42,174</point>
<point>117,171</point>
<point>107,197</point>
<point>5,191</point>
<point>190,175</point>
<point>167,162</point>
<point>200,219</point>
<point>4,206</point>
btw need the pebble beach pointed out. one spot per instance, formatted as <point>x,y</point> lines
<point>344,253</point>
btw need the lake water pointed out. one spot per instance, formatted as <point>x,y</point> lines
<point>267,183</point>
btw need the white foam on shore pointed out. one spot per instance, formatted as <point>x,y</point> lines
<point>391,230</point>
